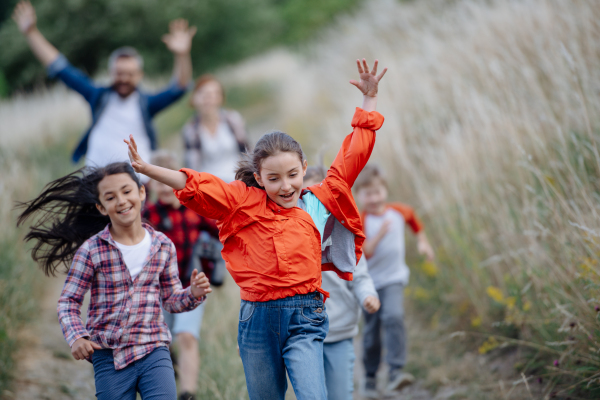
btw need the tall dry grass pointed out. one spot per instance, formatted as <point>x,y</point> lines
<point>492,122</point>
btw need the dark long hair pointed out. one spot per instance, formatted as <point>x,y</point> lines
<point>67,215</point>
<point>268,145</point>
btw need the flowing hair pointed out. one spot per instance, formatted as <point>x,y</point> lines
<point>67,215</point>
<point>268,145</point>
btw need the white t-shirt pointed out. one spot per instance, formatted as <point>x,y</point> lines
<point>135,256</point>
<point>120,118</point>
<point>387,264</point>
<point>220,152</point>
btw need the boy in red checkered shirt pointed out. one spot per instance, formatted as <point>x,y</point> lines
<point>184,227</point>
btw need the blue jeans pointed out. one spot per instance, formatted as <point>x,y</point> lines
<point>152,376</point>
<point>279,335</point>
<point>339,369</point>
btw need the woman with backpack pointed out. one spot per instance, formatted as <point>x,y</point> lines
<point>214,137</point>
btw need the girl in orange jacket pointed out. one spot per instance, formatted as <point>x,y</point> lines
<point>272,246</point>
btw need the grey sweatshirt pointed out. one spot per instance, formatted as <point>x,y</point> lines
<point>345,301</point>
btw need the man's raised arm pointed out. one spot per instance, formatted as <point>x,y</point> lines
<point>24,16</point>
<point>179,42</point>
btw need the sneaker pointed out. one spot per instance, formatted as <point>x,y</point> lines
<point>187,396</point>
<point>399,380</point>
<point>370,388</point>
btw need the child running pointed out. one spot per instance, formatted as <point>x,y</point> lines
<point>92,217</point>
<point>272,247</point>
<point>384,248</point>
<point>183,227</point>
<point>343,311</point>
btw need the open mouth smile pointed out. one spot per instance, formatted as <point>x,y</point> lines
<point>125,211</point>
<point>287,197</point>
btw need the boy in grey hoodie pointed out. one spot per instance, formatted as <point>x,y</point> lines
<point>343,310</point>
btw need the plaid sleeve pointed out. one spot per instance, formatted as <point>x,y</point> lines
<point>79,281</point>
<point>175,298</point>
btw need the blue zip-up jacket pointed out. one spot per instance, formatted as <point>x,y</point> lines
<point>97,97</point>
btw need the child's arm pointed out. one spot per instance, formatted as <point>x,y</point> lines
<point>364,289</point>
<point>424,247</point>
<point>203,193</point>
<point>410,218</point>
<point>370,244</point>
<point>79,281</point>
<point>174,179</point>
<point>175,299</point>
<point>357,147</point>
<point>369,84</point>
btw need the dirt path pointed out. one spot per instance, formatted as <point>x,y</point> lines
<point>46,369</point>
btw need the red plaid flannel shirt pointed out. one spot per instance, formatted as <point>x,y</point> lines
<point>123,315</point>
<point>185,228</point>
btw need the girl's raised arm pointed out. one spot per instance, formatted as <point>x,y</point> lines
<point>174,179</point>
<point>357,147</point>
<point>368,84</point>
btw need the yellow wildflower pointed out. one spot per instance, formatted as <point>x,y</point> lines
<point>527,306</point>
<point>421,294</point>
<point>495,293</point>
<point>476,322</point>
<point>510,302</point>
<point>489,345</point>
<point>430,269</point>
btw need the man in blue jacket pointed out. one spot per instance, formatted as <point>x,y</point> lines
<point>120,109</point>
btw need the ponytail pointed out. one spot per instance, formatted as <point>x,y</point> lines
<point>67,215</point>
<point>268,145</point>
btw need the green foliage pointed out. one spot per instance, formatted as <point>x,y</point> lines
<point>228,30</point>
<point>20,279</point>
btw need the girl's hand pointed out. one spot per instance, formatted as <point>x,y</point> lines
<point>200,285</point>
<point>137,163</point>
<point>179,38</point>
<point>24,16</point>
<point>369,81</point>
<point>82,349</point>
<point>371,304</point>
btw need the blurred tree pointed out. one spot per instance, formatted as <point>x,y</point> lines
<point>86,31</point>
<point>6,7</point>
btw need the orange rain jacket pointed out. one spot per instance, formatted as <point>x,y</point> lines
<point>273,252</point>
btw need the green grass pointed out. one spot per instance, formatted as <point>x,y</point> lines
<point>24,173</point>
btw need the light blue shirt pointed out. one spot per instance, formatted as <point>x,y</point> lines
<point>316,210</point>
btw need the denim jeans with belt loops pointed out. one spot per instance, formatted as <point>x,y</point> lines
<point>284,335</point>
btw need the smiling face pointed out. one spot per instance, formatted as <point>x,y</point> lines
<point>126,74</point>
<point>281,175</point>
<point>208,97</point>
<point>373,197</point>
<point>121,200</point>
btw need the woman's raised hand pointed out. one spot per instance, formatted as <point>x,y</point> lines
<point>369,80</point>
<point>136,161</point>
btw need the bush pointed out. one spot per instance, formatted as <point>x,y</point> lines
<point>228,31</point>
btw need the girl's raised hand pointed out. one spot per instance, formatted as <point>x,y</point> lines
<point>200,285</point>
<point>369,80</point>
<point>136,161</point>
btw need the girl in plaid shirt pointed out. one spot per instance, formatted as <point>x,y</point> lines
<point>92,219</point>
